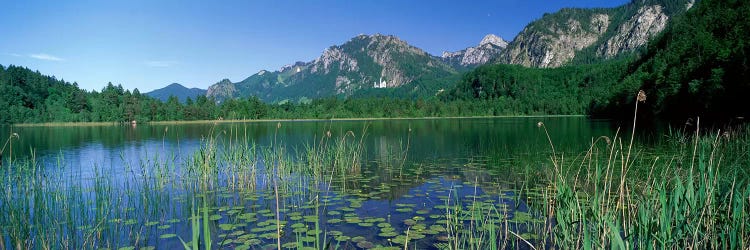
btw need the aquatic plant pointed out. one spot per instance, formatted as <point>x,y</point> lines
<point>685,202</point>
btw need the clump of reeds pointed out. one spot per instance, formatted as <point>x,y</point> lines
<point>699,203</point>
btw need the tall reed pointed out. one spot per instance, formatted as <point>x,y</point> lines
<point>700,204</point>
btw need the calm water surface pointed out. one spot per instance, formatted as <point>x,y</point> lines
<point>411,172</point>
<point>85,146</point>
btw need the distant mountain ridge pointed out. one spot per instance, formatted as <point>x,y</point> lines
<point>177,90</point>
<point>363,63</point>
<point>369,65</point>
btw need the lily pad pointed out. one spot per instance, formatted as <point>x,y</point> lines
<point>358,239</point>
<point>342,238</point>
<point>167,236</point>
<point>289,245</point>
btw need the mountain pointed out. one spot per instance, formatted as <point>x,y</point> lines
<point>177,90</point>
<point>601,33</point>
<point>696,67</point>
<point>488,49</point>
<point>383,65</point>
<point>365,63</point>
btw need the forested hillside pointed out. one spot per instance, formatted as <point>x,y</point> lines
<point>516,89</point>
<point>697,67</point>
<point>26,95</point>
<point>29,96</point>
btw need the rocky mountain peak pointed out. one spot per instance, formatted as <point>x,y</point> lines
<point>225,87</point>
<point>489,48</point>
<point>297,66</point>
<point>224,81</point>
<point>363,62</point>
<point>494,40</point>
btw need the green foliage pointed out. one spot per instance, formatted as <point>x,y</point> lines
<point>696,200</point>
<point>698,66</point>
<point>518,90</point>
<point>28,96</point>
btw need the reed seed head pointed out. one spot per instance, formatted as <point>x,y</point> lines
<point>278,125</point>
<point>641,96</point>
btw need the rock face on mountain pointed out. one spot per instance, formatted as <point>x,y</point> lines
<point>551,42</point>
<point>555,39</point>
<point>647,22</point>
<point>364,62</point>
<point>488,49</point>
<point>221,88</point>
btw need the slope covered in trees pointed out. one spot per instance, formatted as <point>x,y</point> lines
<point>697,67</point>
<point>26,95</point>
<point>519,90</point>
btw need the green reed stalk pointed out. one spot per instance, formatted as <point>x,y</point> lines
<point>695,207</point>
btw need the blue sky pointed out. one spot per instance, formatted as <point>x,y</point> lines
<point>148,44</point>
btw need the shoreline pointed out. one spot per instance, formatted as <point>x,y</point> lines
<point>73,124</point>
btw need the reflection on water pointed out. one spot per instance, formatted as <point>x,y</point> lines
<point>421,183</point>
<point>430,138</point>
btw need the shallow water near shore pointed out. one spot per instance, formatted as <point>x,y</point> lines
<point>304,184</point>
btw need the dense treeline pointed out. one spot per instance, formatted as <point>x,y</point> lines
<point>29,96</point>
<point>514,89</point>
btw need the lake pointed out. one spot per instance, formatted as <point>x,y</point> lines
<point>424,183</point>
